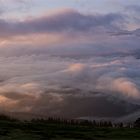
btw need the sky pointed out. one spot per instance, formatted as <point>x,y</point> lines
<point>70,58</point>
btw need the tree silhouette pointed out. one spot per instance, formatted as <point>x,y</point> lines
<point>137,123</point>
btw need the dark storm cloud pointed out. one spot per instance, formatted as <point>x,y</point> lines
<point>54,103</point>
<point>74,107</point>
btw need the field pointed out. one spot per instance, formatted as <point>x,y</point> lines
<point>17,130</point>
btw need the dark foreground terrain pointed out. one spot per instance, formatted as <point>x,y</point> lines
<point>41,130</point>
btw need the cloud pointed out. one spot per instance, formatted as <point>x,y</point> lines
<point>8,8</point>
<point>122,86</point>
<point>127,33</point>
<point>67,21</point>
<point>133,8</point>
<point>69,64</point>
<point>53,85</point>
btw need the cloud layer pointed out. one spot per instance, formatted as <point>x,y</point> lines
<point>65,21</point>
<point>70,64</point>
<point>50,84</point>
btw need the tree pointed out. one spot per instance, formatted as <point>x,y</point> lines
<point>137,123</point>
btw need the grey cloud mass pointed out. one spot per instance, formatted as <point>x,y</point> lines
<point>67,21</point>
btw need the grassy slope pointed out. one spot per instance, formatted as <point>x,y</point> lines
<point>43,131</point>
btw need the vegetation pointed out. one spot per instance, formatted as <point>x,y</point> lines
<point>61,129</point>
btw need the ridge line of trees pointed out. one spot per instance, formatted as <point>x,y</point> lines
<point>76,122</point>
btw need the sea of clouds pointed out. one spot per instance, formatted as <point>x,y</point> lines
<point>70,64</point>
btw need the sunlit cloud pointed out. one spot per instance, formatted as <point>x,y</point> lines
<point>67,59</point>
